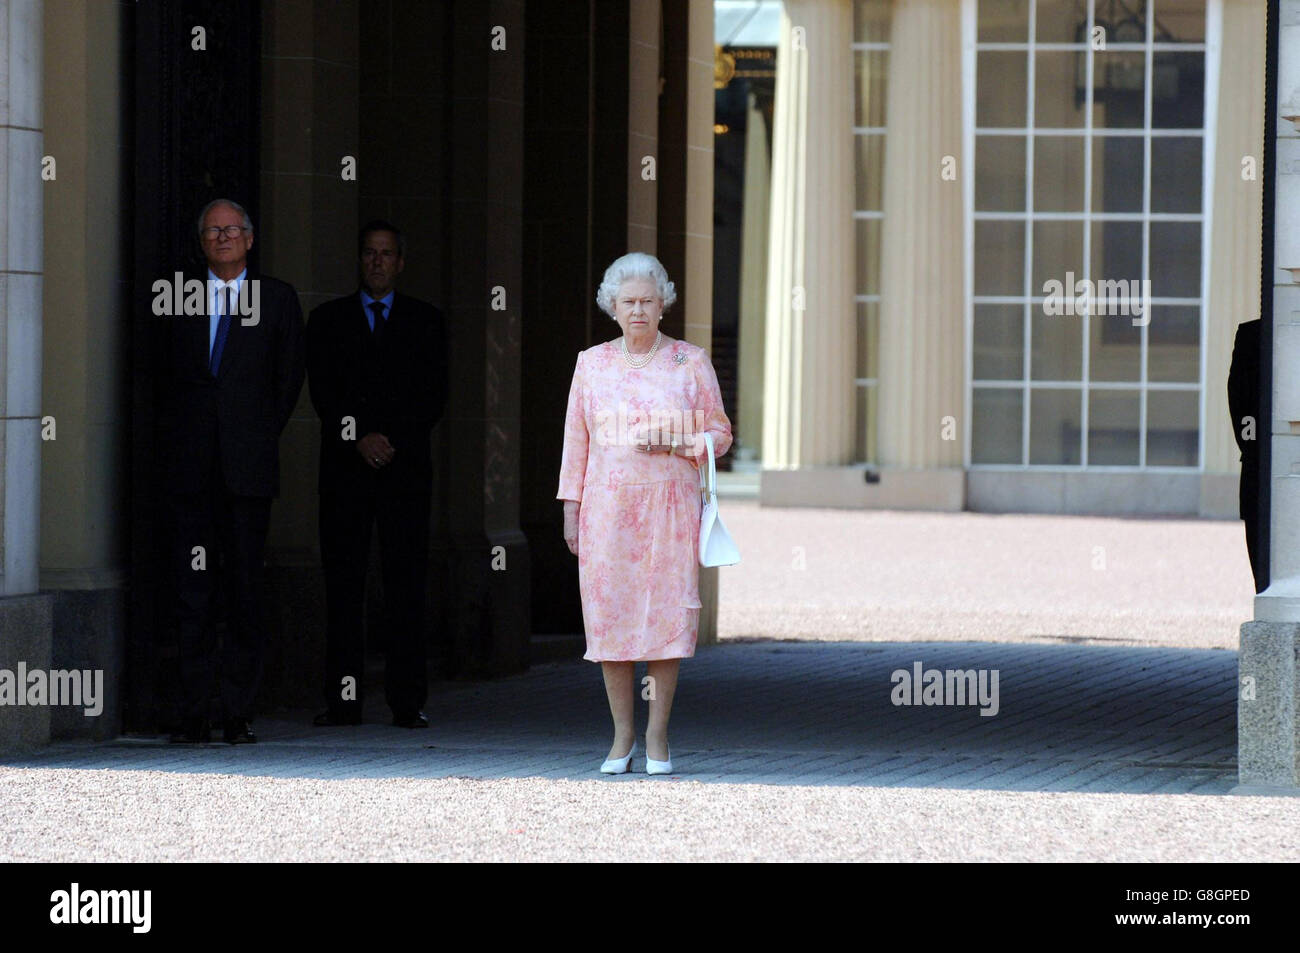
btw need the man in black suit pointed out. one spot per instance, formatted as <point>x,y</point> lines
<point>1243,403</point>
<point>377,374</point>
<point>233,374</point>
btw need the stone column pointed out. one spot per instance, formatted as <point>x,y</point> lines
<point>808,372</point>
<point>644,68</point>
<point>26,620</point>
<point>1234,202</point>
<point>85,471</point>
<point>753,277</point>
<point>306,236</point>
<point>20,304</point>
<point>490,620</point>
<point>685,196</point>
<point>1267,741</point>
<point>922,254</point>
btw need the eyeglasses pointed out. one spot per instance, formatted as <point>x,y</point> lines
<point>213,232</point>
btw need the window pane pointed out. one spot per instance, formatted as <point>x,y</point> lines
<point>1172,428</point>
<point>1113,421</point>
<point>1058,173</point>
<point>1180,21</point>
<point>1000,173</point>
<point>1058,101</point>
<point>1058,248</point>
<point>868,255</point>
<point>1116,252</point>
<point>864,444</point>
<point>868,339</point>
<point>1058,346</point>
<point>1001,89</point>
<point>1117,174</point>
<point>1178,90</point>
<point>1123,22</point>
<point>1119,89</point>
<point>999,342</point>
<point>1122,82</point>
<point>1176,259</point>
<point>1174,344</point>
<point>1054,421</point>
<point>999,258</point>
<point>1061,21</point>
<point>1176,174</point>
<point>1114,349</point>
<point>871,21</point>
<point>870,68</point>
<point>1003,21</point>
<point>996,425</point>
<point>869,172</point>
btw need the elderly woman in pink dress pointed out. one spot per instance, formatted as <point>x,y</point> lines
<point>638,410</point>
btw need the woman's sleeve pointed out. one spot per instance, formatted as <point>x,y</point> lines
<point>573,465</point>
<point>709,409</point>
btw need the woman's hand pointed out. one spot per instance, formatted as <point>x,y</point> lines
<point>571,510</point>
<point>687,444</point>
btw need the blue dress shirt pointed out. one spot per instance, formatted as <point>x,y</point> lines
<point>216,303</point>
<point>367,301</point>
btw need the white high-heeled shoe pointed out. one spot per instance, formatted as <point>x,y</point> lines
<point>659,767</point>
<point>619,765</point>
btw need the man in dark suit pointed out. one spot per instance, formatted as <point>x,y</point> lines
<point>377,374</point>
<point>1243,404</point>
<point>233,374</point>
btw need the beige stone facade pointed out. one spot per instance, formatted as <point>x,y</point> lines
<point>978,98</point>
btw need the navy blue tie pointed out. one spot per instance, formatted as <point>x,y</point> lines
<point>223,331</point>
<point>377,309</point>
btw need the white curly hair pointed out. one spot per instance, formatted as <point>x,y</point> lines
<point>630,267</point>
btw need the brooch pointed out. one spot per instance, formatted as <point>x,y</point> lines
<point>679,357</point>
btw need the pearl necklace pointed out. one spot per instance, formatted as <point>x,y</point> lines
<point>644,360</point>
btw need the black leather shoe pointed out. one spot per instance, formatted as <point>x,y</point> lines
<point>193,731</point>
<point>239,732</point>
<point>333,719</point>
<point>417,720</point>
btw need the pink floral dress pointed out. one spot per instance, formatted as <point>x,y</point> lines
<point>639,524</point>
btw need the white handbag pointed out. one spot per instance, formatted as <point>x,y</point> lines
<point>717,548</point>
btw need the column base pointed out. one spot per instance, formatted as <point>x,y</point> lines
<point>1280,602</point>
<point>293,660</point>
<point>487,617</point>
<point>1265,790</point>
<point>862,487</point>
<point>27,636</point>
<point>89,634</point>
<point>1266,708</point>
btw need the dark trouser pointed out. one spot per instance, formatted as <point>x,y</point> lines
<point>232,531</point>
<point>403,521</point>
<point>1252,550</point>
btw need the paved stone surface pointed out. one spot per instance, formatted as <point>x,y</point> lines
<point>1069,718</point>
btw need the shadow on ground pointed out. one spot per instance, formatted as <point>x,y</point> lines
<point>1069,718</point>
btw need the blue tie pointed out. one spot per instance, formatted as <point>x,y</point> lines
<point>223,331</point>
<point>377,324</point>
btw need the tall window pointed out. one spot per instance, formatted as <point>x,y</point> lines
<point>1089,169</point>
<point>870,68</point>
